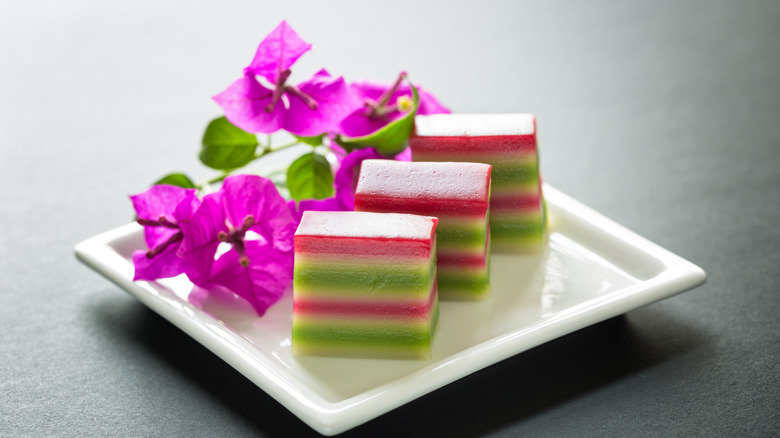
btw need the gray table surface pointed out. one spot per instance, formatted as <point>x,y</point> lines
<point>664,116</point>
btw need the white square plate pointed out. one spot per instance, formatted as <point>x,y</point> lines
<point>590,270</point>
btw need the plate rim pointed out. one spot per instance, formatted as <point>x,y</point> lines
<point>329,418</point>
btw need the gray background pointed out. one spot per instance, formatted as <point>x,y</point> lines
<point>665,116</point>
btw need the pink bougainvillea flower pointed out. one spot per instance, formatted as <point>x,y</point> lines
<point>278,52</point>
<point>241,238</point>
<point>318,105</point>
<point>161,210</point>
<point>382,104</point>
<point>313,107</point>
<point>245,104</point>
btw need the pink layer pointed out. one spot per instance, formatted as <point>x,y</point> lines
<point>356,247</point>
<point>446,260</point>
<point>508,145</point>
<point>366,308</point>
<point>501,202</point>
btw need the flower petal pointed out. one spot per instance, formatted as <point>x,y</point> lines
<point>244,195</point>
<point>278,52</point>
<point>368,90</point>
<point>186,207</point>
<point>160,201</point>
<point>163,265</point>
<point>200,238</point>
<point>263,282</point>
<point>244,103</point>
<point>371,90</point>
<point>358,124</point>
<point>334,101</point>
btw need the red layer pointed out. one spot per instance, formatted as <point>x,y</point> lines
<point>338,308</point>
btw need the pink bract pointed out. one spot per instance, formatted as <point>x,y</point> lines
<point>176,205</point>
<point>278,52</point>
<point>334,101</point>
<point>358,123</point>
<point>311,108</point>
<point>244,103</point>
<point>257,263</point>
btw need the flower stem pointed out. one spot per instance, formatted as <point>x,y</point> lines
<point>218,178</point>
<point>286,145</point>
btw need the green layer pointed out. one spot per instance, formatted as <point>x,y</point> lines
<point>461,237</point>
<point>377,340</point>
<point>463,285</point>
<point>504,174</point>
<point>511,230</point>
<point>365,279</point>
<point>364,352</point>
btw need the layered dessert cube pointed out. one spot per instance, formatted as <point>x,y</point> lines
<point>459,195</point>
<point>507,142</point>
<point>364,285</point>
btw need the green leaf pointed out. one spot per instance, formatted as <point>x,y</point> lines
<point>392,138</point>
<point>312,141</point>
<point>310,177</point>
<point>176,179</point>
<point>226,146</point>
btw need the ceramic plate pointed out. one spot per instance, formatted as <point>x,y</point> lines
<point>591,269</point>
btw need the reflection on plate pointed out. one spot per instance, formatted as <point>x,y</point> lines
<point>590,270</point>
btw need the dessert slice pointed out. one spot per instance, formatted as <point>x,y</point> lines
<point>508,143</point>
<point>364,285</point>
<point>458,194</point>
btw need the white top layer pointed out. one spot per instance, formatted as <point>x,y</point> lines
<point>365,225</point>
<point>466,182</point>
<point>473,125</point>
